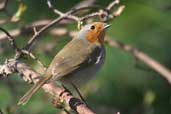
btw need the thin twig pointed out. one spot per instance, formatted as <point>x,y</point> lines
<point>11,40</point>
<point>118,11</point>
<point>35,36</point>
<point>32,56</point>
<point>112,4</point>
<point>54,10</point>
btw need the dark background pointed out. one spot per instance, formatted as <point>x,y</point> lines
<point>120,85</point>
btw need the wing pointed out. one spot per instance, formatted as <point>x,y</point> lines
<point>75,55</point>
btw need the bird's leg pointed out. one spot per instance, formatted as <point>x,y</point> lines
<point>66,89</point>
<point>78,92</point>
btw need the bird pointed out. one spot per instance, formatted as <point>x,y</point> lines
<point>77,62</point>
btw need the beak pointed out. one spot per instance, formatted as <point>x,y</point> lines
<point>106,26</point>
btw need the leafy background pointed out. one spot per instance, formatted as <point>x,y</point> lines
<point>121,85</point>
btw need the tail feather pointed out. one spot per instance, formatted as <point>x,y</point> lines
<point>23,100</point>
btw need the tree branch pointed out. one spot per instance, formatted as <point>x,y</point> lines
<point>68,15</point>
<point>30,76</point>
<point>139,55</point>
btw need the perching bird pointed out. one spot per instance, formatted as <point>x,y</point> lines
<point>78,61</point>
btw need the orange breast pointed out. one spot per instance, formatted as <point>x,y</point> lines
<point>97,34</point>
<point>92,37</point>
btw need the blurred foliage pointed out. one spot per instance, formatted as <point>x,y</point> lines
<point>120,85</point>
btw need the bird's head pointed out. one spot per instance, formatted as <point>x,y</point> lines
<point>94,32</point>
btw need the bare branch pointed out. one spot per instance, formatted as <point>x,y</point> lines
<point>32,56</point>
<point>118,11</point>
<point>31,76</point>
<point>156,66</point>
<point>13,33</point>
<point>35,36</point>
<point>54,10</point>
<point>11,40</point>
<point>112,4</point>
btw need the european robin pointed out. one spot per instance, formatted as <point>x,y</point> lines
<point>78,61</point>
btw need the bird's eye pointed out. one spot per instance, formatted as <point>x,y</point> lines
<point>92,27</point>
